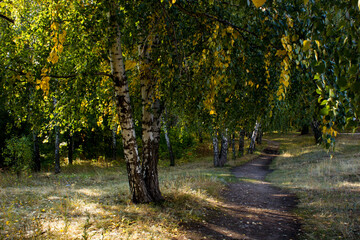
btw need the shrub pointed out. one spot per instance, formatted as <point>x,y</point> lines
<point>18,154</point>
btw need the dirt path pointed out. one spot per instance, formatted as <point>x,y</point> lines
<point>253,208</point>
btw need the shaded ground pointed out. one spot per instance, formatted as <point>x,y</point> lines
<point>253,208</point>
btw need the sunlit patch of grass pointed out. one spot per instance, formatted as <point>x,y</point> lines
<point>90,200</point>
<point>327,184</point>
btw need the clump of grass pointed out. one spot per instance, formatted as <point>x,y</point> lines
<point>327,184</point>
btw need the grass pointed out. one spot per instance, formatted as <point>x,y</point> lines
<point>90,200</point>
<point>327,184</point>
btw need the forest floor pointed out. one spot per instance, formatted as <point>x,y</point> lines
<point>252,207</point>
<point>243,200</point>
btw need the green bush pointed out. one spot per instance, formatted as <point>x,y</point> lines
<point>18,154</point>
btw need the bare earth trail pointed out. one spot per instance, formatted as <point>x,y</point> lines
<point>253,208</point>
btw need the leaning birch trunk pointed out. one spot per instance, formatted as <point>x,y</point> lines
<point>224,149</point>
<point>168,143</point>
<point>151,171</point>
<point>253,138</point>
<point>241,142</point>
<point>216,150</point>
<point>138,191</point>
<point>150,125</point>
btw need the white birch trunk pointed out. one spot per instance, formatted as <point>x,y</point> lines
<point>216,150</point>
<point>253,138</point>
<point>138,189</point>
<point>150,126</point>
<point>224,148</point>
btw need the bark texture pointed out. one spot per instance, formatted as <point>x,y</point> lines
<point>139,193</point>
<point>224,149</point>
<point>259,135</point>
<point>317,132</point>
<point>151,124</point>
<point>241,142</point>
<point>253,138</point>
<point>216,150</point>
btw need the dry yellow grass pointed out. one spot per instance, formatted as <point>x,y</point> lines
<point>91,201</point>
<point>327,183</point>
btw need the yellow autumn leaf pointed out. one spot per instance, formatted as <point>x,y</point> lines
<point>306,2</point>
<point>62,37</point>
<point>212,112</point>
<point>306,45</point>
<point>60,48</point>
<point>130,64</point>
<point>258,3</point>
<point>280,53</point>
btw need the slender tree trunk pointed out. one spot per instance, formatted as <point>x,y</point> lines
<point>57,150</point>
<point>241,142</point>
<point>71,149</point>
<point>201,140</point>
<point>114,144</point>
<point>317,131</point>
<point>151,113</point>
<point>139,193</point>
<point>224,149</point>
<point>233,146</point>
<point>259,135</point>
<point>168,143</point>
<point>37,162</point>
<point>57,142</point>
<point>253,138</point>
<point>216,150</point>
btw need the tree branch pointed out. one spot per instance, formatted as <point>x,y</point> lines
<point>75,75</point>
<point>214,18</point>
<point>6,18</point>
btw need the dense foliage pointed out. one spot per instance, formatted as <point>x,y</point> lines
<point>96,73</point>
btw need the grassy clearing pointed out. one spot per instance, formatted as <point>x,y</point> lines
<point>327,183</point>
<point>90,200</point>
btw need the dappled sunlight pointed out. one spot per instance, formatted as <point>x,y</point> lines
<point>89,192</point>
<point>350,186</point>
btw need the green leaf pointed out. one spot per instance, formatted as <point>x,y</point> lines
<point>323,102</point>
<point>324,111</point>
<point>320,68</point>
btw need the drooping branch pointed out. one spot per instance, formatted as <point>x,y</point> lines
<point>217,19</point>
<point>75,75</point>
<point>7,18</point>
